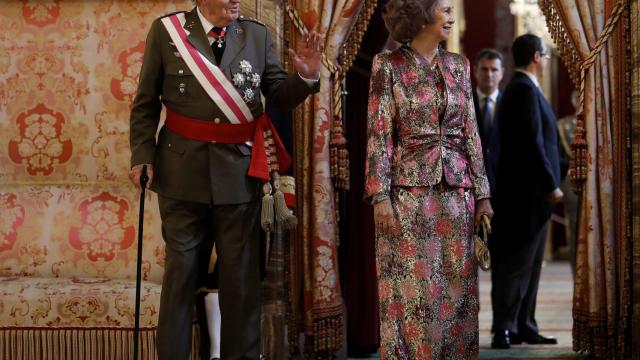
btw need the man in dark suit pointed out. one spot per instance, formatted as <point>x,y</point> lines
<point>488,72</point>
<point>527,186</point>
<point>204,193</point>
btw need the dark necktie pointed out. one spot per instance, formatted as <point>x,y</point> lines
<point>219,42</point>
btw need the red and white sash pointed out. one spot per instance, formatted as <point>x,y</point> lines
<point>210,77</point>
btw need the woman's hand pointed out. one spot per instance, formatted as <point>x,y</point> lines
<point>386,222</point>
<point>483,207</point>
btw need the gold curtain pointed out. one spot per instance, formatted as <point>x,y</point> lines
<point>592,39</point>
<point>321,168</point>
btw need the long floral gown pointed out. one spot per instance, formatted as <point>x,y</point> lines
<point>424,153</point>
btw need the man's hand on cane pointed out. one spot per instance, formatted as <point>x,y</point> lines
<point>136,172</point>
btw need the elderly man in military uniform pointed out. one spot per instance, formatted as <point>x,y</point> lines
<point>208,67</point>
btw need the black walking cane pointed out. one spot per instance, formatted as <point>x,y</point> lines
<point>136,329</point>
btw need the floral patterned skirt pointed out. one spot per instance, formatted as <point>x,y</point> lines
<point>428,277</point>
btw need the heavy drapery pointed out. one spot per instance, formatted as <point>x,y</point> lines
<point>592,39</point>
<point>317,307</point>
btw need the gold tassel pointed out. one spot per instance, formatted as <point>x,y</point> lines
<point>580,157</point>
<point>283,214</point>
<point>267,208</point>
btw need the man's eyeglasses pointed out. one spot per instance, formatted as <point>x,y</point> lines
<point>545,55</point>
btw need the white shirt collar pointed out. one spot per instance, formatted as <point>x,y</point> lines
<point>206,24</point>
<point>493,96</point>
<point>531,76</point>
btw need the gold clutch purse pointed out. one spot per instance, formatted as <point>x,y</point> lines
<point>482,249</point>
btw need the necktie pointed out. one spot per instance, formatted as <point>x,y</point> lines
<point>219,43</point>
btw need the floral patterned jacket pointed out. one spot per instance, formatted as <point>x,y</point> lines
<point>409,143</point>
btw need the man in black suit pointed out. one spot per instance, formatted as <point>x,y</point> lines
<point>488,72</point>
<point>527,186</point>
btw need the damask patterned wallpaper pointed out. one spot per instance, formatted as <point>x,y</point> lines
<point>68,74</point>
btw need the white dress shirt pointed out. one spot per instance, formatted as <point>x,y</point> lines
<point>493,99</point>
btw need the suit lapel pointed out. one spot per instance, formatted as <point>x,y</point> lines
<point>197,36</point>
<point>235,42</point>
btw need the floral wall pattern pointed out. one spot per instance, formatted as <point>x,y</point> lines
<point>68,74</point>
<point>68,214</point>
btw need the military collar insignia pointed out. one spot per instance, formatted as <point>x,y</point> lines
<point>238,30</point>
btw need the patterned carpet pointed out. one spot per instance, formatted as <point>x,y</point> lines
<point>553,314</point>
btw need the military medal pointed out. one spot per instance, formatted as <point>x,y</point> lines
<point>247,82</point>
<point>218,39</point>
<point>238,79</point>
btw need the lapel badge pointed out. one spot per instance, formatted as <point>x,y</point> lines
<point>177,54</point>
<point>237,28</point>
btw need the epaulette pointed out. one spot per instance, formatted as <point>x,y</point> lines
<point>173,13</point>
<point>248,18</point>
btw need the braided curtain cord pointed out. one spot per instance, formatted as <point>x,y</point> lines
<point>578,70</point>
<point>337,141</point>
<point>339,155</point>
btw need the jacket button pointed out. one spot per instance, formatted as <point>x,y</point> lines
<point>180,71</point>
<point>169,145</point>
<point>216,120</point>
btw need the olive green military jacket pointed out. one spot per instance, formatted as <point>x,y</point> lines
<point>192,170</point>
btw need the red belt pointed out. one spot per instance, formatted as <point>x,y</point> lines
<point>226,133</point>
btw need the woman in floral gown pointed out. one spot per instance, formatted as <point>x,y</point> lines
<point>426,178</point>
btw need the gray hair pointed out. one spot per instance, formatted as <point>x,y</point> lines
<point>405,18</point>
